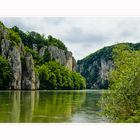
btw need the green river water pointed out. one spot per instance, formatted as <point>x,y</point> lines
<point>50,106</point>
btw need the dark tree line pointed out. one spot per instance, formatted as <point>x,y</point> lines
<point>31,38</point>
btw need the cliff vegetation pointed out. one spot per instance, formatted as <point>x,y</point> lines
<point>29,60</point>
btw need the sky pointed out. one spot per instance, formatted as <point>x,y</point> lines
<point>82,35</point>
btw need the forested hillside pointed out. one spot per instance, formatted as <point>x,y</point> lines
<point>96,66</point>
<point>30,60</point>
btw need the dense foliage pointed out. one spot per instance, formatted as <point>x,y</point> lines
<point>31,38</point>
<point>121,103</point>
<point>5,73</point>
<point>54,76</point>
<point>14,37</point>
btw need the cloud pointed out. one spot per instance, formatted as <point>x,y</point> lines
<point>82,35</point>
<point>77,35</point>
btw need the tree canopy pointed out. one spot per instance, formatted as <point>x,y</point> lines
<point>33,37</point>
<point>121,102</point>
<point>54,76</point>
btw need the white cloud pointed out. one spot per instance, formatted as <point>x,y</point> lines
<point>82,35</point>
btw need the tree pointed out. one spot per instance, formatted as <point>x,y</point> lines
<point>121,103</point>
<point>56,42</point>
<point>33,37</point>
<point>5,73</point>
<point>22,35</point>
<point>43,76</point>
<point>54,76</point>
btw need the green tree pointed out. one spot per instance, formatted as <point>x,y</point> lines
<point>43,76</point>
<point>22,35</point>
<point>56,42</point>
<point>121,103</point>
<point>5,73</point>
<point>54,76</point>
<point>33,37</point>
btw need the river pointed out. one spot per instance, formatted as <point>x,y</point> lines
<point>50,106</point>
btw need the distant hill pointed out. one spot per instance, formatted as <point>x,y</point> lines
<point>96,66</point>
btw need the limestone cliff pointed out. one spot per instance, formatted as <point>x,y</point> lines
<point>63,57</point>
<point>12,54</point>
<point>22,62</point>
<point>95,68</point>
<point>13,51</point>
<point>28,73</point>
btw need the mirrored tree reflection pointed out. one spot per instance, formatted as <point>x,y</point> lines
<point>27,106</point>
<point>15,106</point>
<point>39,106</point>
<point>58,106</point>
<point>5,107</point>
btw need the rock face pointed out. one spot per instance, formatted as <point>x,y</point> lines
<point>13,52</point>
<point>96,74</point>
<point>28,73</point>
<point>74,64</point>
<point>95,68</point>
<point>106,66</point>
<point>61,56</point>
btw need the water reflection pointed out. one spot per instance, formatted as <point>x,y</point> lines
<point>89,112</point>
<point>40,106</point>
<point>27,106</point>
<point>15,106</point>
<point>58,106</point>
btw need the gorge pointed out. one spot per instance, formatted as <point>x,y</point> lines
<point>29,53</point>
